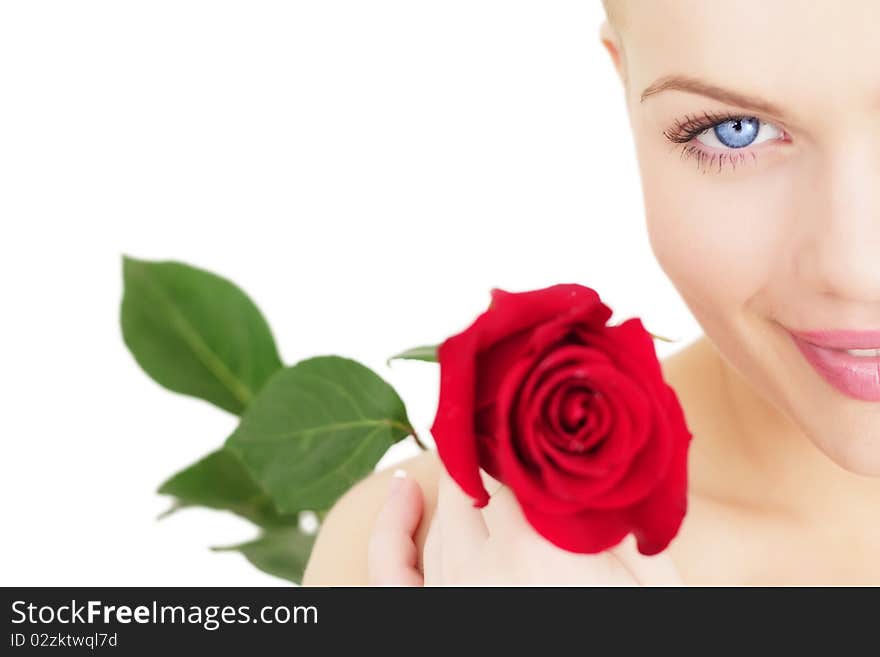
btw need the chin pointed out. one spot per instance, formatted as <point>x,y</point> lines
<point>852,442</point>
<point>843,429</point>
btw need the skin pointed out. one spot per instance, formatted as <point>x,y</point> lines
<point>784,470</point>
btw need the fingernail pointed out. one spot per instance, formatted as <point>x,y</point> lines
<point>397,478</point>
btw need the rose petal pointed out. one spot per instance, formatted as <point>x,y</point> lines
<point>626,404</point>
<point>643,473</point>
<point>531,400</point>
<point>598,424</point>
<point>536,400</point>
<point>517,429</point>
<point>630,347</point>
<point>570,415</point>
<point>518,458</point>
<point>606,477</point>
<point>453,427</point>
<point>591,314</point>
<point>630,462</point>
<point>636,345</point>
<point>587,532</point>
<point>527,463</point>
<point>494,363</point>
<point>510,312</point>
<point>571,407</point>
<point>658,519</point>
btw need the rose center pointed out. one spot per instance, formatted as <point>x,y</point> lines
<point>574,413</point>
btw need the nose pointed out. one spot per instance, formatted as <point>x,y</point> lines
<point>841,257</point>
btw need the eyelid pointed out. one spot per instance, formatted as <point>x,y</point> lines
<point>689,126</point>
<point>686,129</point>
<point>722,147</point>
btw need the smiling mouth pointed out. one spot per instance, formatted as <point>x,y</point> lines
<point>848,360</point>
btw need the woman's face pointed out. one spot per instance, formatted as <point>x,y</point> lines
<point>769,221</point>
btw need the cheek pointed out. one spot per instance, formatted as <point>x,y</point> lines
<point>719,238</point>
<point>730,246</point>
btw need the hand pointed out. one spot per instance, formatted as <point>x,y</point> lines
<point>493,546</point>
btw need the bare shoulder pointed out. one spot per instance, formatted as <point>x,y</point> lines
<point>339,557</point>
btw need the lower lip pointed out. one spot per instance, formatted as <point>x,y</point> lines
<point>855,376</point>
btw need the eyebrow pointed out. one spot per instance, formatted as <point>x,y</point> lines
<point>693,85</point>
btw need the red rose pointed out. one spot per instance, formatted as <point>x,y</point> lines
<point>573,415</point>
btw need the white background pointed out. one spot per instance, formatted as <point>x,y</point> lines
<point>366,170</point>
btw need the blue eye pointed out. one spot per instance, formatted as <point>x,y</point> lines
<point>739,133</point>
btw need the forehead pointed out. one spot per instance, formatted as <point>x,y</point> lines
<point>788,51</point>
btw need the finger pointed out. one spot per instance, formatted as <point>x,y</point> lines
<point>489,483</point>
<point>656,570</point>
<point>504,516</point>
<point>433,573</point>
<point>506,520</point>
<point>462,530</point>
<point>503,513</point>
<point>392,555</point>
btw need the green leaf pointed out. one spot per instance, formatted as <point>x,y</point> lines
<point>427,353</point>
<point>196,333</point>
<point>282,552</point>
<point>660,337</point>
<point>220,481</point>
<point>317,428</point>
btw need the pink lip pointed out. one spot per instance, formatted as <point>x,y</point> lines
<point>854,376</point>
<point>841,339</point>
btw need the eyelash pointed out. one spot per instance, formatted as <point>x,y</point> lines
<point>691,126</point>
